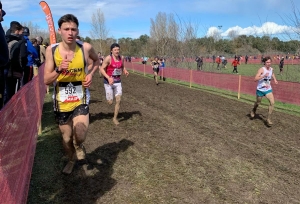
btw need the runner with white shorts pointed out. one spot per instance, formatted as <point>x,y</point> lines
<point>112,69</point>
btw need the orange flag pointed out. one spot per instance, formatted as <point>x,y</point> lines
<point>49,20</point>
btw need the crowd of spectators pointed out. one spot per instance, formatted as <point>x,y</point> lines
<point>19,54</point>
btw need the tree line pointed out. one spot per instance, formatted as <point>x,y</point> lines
<point>171,36</point>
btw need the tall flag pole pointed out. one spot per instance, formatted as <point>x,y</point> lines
<point>49,20</point>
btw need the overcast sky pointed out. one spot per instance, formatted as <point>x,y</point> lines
<point>131,18</point>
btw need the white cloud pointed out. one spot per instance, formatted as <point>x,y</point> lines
<point>132,17</point>
<point>267,28</point>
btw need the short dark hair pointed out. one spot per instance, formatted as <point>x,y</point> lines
<point>14,26</point>
<point>114,45</point>
<point>33,40</point>
<point>266,58</point>
<point>68,18</point>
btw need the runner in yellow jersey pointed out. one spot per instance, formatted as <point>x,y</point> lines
<point>67,70</point>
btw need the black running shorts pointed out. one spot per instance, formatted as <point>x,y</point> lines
<point>62,118</point>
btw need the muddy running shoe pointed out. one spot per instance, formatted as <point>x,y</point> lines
<point>252,114</point>
<point>269,122</point>
<point>69,167</point>
<point>80,152</point>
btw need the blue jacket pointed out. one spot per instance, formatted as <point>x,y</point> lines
<point>32,53</point>
<point>4,57</point>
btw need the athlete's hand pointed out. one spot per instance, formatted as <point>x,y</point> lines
<point>64,64</point>
<point>126,72</point>
<point>110,80</point>
<point>87,81</point>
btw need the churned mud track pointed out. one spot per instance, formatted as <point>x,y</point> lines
<point>180,145</point>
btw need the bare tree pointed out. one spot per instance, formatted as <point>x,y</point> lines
<point>35,30</point>
<point>99,30</point>
<point>172,38</point>
<point>158,33</point>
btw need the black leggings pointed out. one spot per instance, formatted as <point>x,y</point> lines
<point>234,69</point>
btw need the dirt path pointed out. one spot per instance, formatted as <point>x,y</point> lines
<point>180,145</point>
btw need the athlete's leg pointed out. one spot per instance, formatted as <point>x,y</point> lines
<point>155,77</point>
<point>80,127</point>
<point>117,108</point>
<point>109,93</point>
<point>66,131</point>
<point>256,104</point>
<point>118,94</point>
<point>270,97</point>
<point>100,72</point>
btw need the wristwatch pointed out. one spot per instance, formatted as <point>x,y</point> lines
<point>57,71</point>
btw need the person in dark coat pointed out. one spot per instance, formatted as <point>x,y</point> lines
<point>4,57</point>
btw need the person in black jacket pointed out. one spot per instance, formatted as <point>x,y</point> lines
<point>3,56</point>
<point>281,63</point>
<point>18,59</point>
<point>3,44</point>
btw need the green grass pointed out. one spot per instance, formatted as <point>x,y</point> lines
<point>290,72</point>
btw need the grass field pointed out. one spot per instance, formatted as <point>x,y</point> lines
<point>290,72</point>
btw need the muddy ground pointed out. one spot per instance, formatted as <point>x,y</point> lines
<point>180,145</point>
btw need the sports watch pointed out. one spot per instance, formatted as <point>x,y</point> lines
<point>57,71</point>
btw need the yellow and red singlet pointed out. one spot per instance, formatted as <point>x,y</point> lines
<point>69,91</point>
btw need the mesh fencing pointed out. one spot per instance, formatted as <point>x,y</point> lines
<point>20,118</point>
<point>287,92</point>
<point>19,121</point>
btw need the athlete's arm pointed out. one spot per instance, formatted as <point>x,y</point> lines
<point>95,64</point>
<point>275,80</point>
<point>258,75</point>
<point>124,69</point>
<point>103,68</point>
<point>50,75</point>
<point>94,57</point>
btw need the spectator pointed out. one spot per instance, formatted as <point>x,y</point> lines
<point>4,48</point>
<point>144,60</point>
<point>32,58</point>
<point>218,61</point>
<point>224,61</point>
<point>4,56</point>
<point>162,67</point>
<point>46,44</point>
<point>199,61</point>
<point>246,59</point>
<point>235,63</point>
<point>17,47</point>
<point>214,58</point>
<point>281,63</point>
<point>41,49</point>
